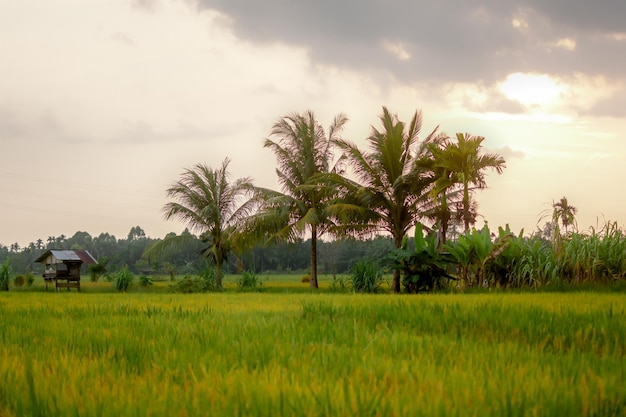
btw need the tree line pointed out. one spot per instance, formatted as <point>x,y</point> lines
<point>335,257</point>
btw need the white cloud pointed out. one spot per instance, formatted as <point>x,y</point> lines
<point>567,44</point>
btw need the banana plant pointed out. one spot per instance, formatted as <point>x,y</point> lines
<point>475,250</point>
<point>424,268</point>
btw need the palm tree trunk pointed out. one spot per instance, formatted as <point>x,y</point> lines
<point>445,219</point>
<point>466,206</point>
<point>314,284</point>
<point>218,273</point>
<point>395,284</point>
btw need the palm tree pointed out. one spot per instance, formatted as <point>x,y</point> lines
<point>391,189</point>
<point>463,163</point>
<point>211,205</point>
<point>303,152</point>
<point>566,214</point>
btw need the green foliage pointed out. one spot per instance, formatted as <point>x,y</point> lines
<point>97,270</point>
<point>340,283</point>
<point>30,279</point>
<point>189,285</point>
<point>19,280</point>
<point>305,279</point>
<point>209,275</point>
<point>248,281</point>
<point>5,275</point>
<point>122,280</point>
<point>475,250</point>
<point>206,281</point>
<point>145,281</point>
<point>423,269</point>
<point>366,276</point>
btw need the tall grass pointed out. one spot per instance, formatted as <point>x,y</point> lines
<point>312,355</point>
<point>597,257</point>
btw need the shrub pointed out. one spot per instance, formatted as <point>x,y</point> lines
<point>98,269</point>
<point>366,276</point>
<point>5,275</point>
<point>189,285</point>
<point>145,281</point>
<point>340,284</point>
<point>19,280</point>
<point>425,268</point>
<point>208,274</point>
<point>248,281</point>
<point>123,279</point>
<point>305,279</point>
<point>30,279</point>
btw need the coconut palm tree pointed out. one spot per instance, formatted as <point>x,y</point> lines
<point>463,163</point>
<point>565,213</point>
<point>210,204</point>
<point>303,152</point>
<point>391,190</point>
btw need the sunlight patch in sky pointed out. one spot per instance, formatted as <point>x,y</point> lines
<point>532,89</point>
<point>398,50</point>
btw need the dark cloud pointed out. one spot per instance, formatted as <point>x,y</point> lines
<point>459,40</point>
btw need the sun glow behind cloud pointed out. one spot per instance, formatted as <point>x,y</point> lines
<point>532,89</point>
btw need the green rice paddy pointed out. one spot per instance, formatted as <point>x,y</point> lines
<point>296,353</point>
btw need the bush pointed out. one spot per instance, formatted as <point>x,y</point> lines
<point>145,281</point>
<point>189,285</point>
<point>366,276</point>
<point>340,284</point>
<point>305,279</point>
<point>30,279</point>
<point>122,280</point>
<point>248,281</point>
<point>19,280</point>
<point>5,275</point>
<point>98,269</point>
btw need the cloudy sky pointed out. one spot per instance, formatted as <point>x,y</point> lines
<point>103,103</point>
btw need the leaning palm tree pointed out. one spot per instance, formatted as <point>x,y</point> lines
<point>464,164</point>
<point>303,152</point>
<point>211,205</point>
<point>390,189</point>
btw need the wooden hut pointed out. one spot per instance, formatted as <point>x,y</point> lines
<point>62,267</point>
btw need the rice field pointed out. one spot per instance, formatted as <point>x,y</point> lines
<point>100,353</point>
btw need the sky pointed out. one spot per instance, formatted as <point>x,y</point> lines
<point>104,103</point>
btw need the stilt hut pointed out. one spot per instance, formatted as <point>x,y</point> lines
<point>62,267</point>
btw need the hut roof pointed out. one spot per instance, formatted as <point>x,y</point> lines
<point>56,256</point>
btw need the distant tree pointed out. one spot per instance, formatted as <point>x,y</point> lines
<point>564,213</point>
<point>136,233</point>
<point>210,204</point>
<point>303,152</point>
